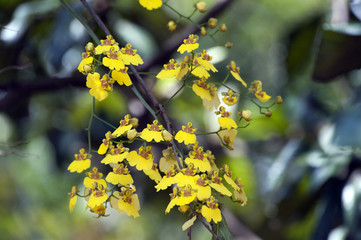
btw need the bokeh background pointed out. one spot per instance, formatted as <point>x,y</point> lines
<point>301,167</point>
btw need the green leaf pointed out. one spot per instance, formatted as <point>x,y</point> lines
<point>222,230</point>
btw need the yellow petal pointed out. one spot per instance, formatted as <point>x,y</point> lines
<point>151,4</point>
<point>237,77</point>
<point>201,92</point>
<point>226,122</point>
<point>171,204</point>
<point>122,179</point>
<point>121,78</point>
<point>116,158</point>
<point>72,203</point>
<point>200,72</point>
<point>79,165</point>
<point>189,223</point>
<point>211,214</point>
<point>187,138</point>
<point>102,149</point>
<point>221,189</point>
<point>130,209</point>
<point>96,201</point>
<point>153,174</point>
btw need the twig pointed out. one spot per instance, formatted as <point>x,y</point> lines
<point>208,228</point>
<point>96,17</point>
<point>16,67</point>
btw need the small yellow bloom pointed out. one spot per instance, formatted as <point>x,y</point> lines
<point>103,148</point>
<point>98,197</point>
<point>143,160</point>
<point>205,61</point>
<point>199,159</point>
<point>120,175</point>
<point>98,87</point>
<point>125,125</point>
<point>174,198</point>
<point>211,211</point>
<point>106,45</point>
<point>81,162</point>
<point>153,173</point>
<point>100,210</point>
<point>218,186</point>
<point>116,155</point>
<point>225,121</point>
<point>73,198</point>
<point>189,44</point>
<point>167,161</point>
<point>167,180</point>
<point>227,137</point>
<point>129,203</point>
<point>202,89</point>
<point>187,195</point>
<point>113,60</point>
<point>240,195</point>
<point>215,102</point>
<point>235,73</point>
<point>184,68</point>
<point>230,98</point>
<point>130,56</point>
<point>199,70</point>
<point>170,70</point>
<point>152,132</point>
<point>228,177</point>
<point>122,77</point>
<point>186,135</point>
<point>262,96</point>
<point>256,88</point>
<point>204,191</point>
<point>151,4</point>
<point>94,179</point>
<point>87,60</point>
<point>186,176</point>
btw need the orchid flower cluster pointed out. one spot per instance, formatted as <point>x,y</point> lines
<point>193,178</point>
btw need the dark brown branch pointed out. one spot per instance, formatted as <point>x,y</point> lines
<point>24,91</point>
<point>96,17</point>
<point>208,228</point>
<point>16,67</point>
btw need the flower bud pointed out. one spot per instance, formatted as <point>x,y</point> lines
<point>183,208</point>
<point>134,122</point>
<point>203,31</point>
<point>228,45</point>
<point>201,6</point>
<point>172,26</point>
<point>87,69</point>
<point>212,22</point>
<point>246,114</point>
<point>167,136</point>
<point>223,27</point>
<point>89,47</point>
<point>279,100</point>
<point>131,134</point>
<point>268,113</point>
